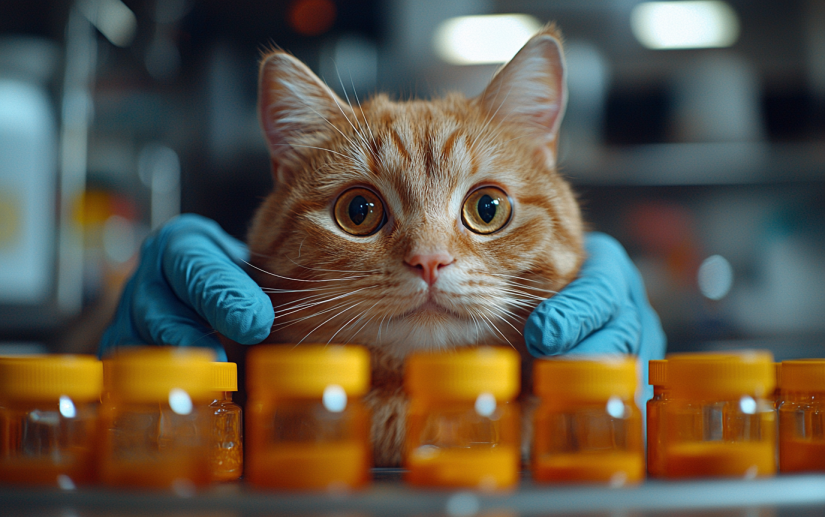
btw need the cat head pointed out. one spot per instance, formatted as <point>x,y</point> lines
<point>419,224</point>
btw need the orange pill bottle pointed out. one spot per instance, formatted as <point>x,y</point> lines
<point>48,419</point>
<point>155,426</point>
<point>719,419</point>
<point>802,416</point>
<point>226,447</point>
<point>306,425</point>
<point>657,377</point>
<point>587,427</point>
<point>462,421</point>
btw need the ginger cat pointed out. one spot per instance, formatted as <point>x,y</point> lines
<point>415,225</point>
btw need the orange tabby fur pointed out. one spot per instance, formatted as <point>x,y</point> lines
<point>422,158</point>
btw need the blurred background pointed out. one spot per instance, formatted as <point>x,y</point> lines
<point>695,134</point>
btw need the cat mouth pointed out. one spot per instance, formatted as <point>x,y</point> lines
<point>429,308</point>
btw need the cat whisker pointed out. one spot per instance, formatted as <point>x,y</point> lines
<point>331,270</point>
<point>286,324</point>
<point>317,303</point>
<point>359,315</point>
<point>301,279</point>
<point>342,155</point>
<point>493,327</point>
<point>327,321</point>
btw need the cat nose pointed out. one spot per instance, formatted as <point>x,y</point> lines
<point>428,265</point>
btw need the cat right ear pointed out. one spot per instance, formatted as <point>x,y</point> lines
<point>297,112</point>
<point>531,89</point>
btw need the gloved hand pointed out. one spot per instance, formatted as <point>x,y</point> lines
<point>190,281</point>
<point>604,311</point>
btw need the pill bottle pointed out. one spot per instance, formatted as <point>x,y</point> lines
<point>226,449</point>
<point>155,426</point>
<point>802,416</point>
<point>48,419</point>
<point>463,424</point>
<point>306,425</point>
<point>777,392</point>
<point>587,427</point>
<point>657,377</point>
<point>719,419</point>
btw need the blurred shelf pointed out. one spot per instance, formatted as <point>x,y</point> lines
<point>791,495</point>
<point>738,163</point>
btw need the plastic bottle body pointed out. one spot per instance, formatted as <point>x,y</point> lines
<point>302,443</point>
<point>587,427</point>
<point>655,438</point>
<point>153,445</point>
<point>48,442</point>
<point>306,425</point>
<point>588,441</point>
<point>719,419</point>
<point>48,419</point>
<point>463,424</point>
<point>463,443</point>
<point>155,426</point>
<point>226,448</point>
<point>802,416</point>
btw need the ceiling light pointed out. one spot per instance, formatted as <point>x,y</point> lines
<point>473,40</point>
<point>681,25</point>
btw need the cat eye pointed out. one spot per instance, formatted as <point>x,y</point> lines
<point>486,210</point>
<point>359,211</point>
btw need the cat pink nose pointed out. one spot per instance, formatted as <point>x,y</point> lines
<point>428,265</point>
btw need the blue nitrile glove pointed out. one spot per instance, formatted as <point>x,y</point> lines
<point>190,283</point>
<point>604,311</point>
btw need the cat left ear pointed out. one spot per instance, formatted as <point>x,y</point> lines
<point>531,90</point>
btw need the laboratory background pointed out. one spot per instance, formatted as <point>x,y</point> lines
<point>698,141</point>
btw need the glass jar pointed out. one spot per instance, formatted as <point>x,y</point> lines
<point>587,427</point>
<point>226,448</point>
<point>719,419</point>
<point>802,416</point>
<point>657,377</point>
<point>48,419</point>
<point>462,421</point>
<point>155,426</point>
<point>306,426</point>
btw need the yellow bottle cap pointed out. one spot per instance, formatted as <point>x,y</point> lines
<point>803,375</point>
<point>464,373</point>
<point>723,374</point>
<point>149,374</point>
<point>657,372</point>
<point>38,377</point>
<point>307,370</point>
<point>224,377</point>
<point>585,378</point>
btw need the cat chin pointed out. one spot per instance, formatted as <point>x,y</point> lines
<point>404,336</point>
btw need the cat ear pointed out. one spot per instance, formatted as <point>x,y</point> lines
<point>531,89</point>
<point>297,112</point>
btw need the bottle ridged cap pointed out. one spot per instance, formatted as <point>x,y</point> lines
<point>464,373</point>
<point>657,372</point>
<point>224,376</point>
<point>307,370</point>
<point>149,374</point>
<point>587,378</point>
<point>803,375</point>
<point>39,377</point>
<point>722,374</point>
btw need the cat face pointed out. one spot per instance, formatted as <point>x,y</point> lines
<point>414,225</point>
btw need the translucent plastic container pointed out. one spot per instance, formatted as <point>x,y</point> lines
<point>155,426</point>
<point>306,426</point>
<point>48,419</point>
<point>802,416</point>
<point>657,377</point>
<point>226,448</point>
<point>719,419</point>
<point>587,427</point>
<point>462,421</point>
